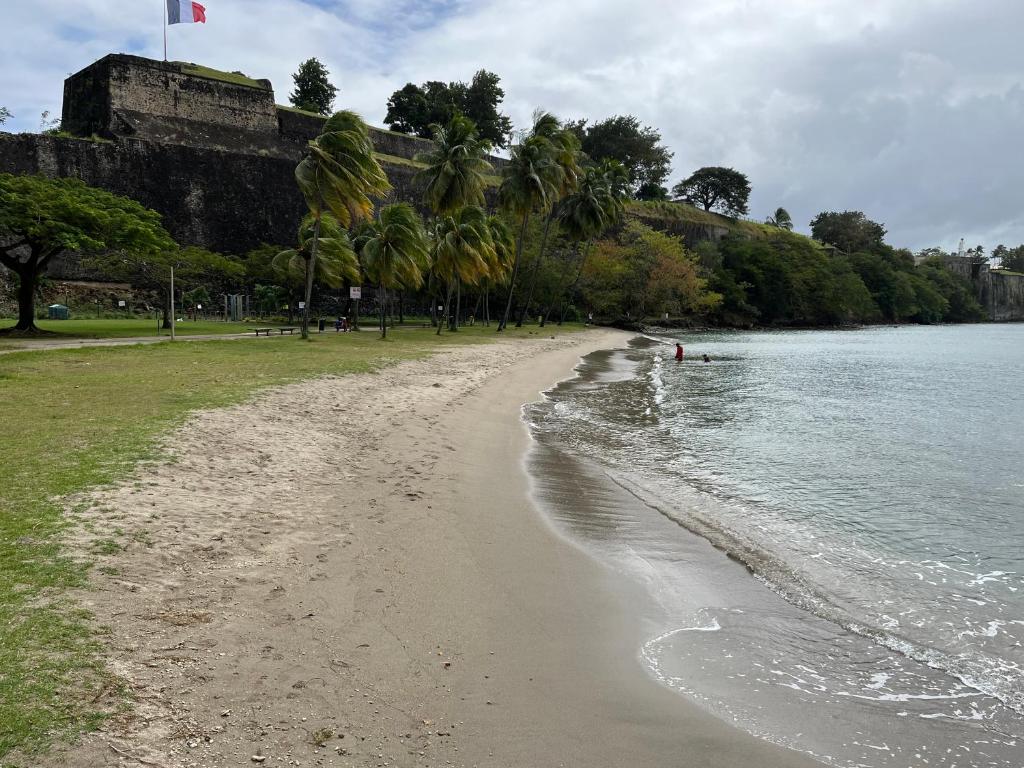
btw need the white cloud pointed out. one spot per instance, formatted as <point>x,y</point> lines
<point>908,111</point>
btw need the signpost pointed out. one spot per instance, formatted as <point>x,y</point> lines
<point>355,293</point>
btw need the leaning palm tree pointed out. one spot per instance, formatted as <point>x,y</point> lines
<point>529,182</point>
<point>780,219</point>
<point>457,167</point>
<point>395,252</point>
<point>336,259</point>
<point>339,175</point>
<point>463,252</point>
<point>501,262</point>
<point>585,214</point>
<point>566,176</point>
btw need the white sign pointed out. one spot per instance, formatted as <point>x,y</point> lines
<point>199,306</point>
<point>120,303</point>
<point>302,305</point>
<point>355,292</point>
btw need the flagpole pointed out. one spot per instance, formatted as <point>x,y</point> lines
<point>165,29</point>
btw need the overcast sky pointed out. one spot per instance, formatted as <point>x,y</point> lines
<point>910,110</point>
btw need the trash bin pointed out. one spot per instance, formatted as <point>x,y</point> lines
<point>321,325</point>
<point>57,312</point>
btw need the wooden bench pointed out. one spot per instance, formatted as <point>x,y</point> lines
<point>290,331</point>
<point>265,331</point>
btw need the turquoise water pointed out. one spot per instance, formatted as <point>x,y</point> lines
<point>871,481</point>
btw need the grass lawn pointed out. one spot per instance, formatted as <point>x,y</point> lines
<point>82,417</point>
<point>120,329</point>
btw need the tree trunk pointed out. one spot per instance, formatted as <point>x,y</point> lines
<point>446,317</point>
<point>26,301</point>
<point>515,271</point>
<point>458,306</point>
<point>558,294</point>
<point>165,312</point>
<point>535,271</point>
<point>579,274</point>
<point>401,307</point>
<point>383,308</point>
<point>310,271</point>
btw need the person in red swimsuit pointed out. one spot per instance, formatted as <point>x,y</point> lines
<point>679,351</point>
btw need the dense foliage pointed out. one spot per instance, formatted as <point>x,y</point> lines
<point>849,231</point>
<point>1010,258</point>
<point>313,90</point>
<point>638,148</point>
<point>416,108</point>
<point>716,189</point>
<point>643,273</point>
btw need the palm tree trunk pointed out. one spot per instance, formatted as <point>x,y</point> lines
<point>401,307</point>
<point>487,307</point>
<point>557,298</point>
<point>535,270</point>
<point>458,304</point>
<point>383,308</point>
<point>443,320</point>
<point>515,271</point>
<point>310,270</point>
<point>579,274</point>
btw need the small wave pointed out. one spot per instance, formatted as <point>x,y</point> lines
<point>988,675</point>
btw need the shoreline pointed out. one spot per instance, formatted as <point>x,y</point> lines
<point>405,597</point>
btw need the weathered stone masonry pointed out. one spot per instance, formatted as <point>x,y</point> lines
<point>216,157</point>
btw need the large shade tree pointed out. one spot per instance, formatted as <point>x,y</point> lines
<point>849,231</point>
<point>638,147</point>
<point>716,189</point>
<point>40,218</point>
<point>395,253</point>
<point>339,175</point>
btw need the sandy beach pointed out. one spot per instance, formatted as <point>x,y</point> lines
<point>351,572</point>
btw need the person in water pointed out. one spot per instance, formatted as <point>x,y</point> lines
<point>707,359</point>
<point>679,351</point>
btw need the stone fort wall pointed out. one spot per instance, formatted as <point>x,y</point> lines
<point>211,152</point>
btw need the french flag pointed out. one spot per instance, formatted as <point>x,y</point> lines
<point>185,12</point>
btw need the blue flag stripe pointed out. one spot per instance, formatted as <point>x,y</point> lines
<point>173,12</point>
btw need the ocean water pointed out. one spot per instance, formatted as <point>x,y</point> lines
<point>831,524</point>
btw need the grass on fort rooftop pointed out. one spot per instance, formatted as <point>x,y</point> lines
<point>83,417</point>
<point>130,328</point>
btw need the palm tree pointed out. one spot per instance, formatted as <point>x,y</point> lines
<point>336,259</point>
<point>593,208</point>
<point>501,264</point>
<point>529,181</point>
<point>565,145</point>
<point>463,252</point>
<point>456,167</point>
<point>339,175</point>
<point>780,219</point>
<point>395,252</point>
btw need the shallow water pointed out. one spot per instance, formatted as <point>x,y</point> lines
<point>871,481</point>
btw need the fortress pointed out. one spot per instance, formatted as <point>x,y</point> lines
<point>215,155</point>
<point>210,151</point>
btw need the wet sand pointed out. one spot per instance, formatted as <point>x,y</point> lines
<point>352,572</point>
